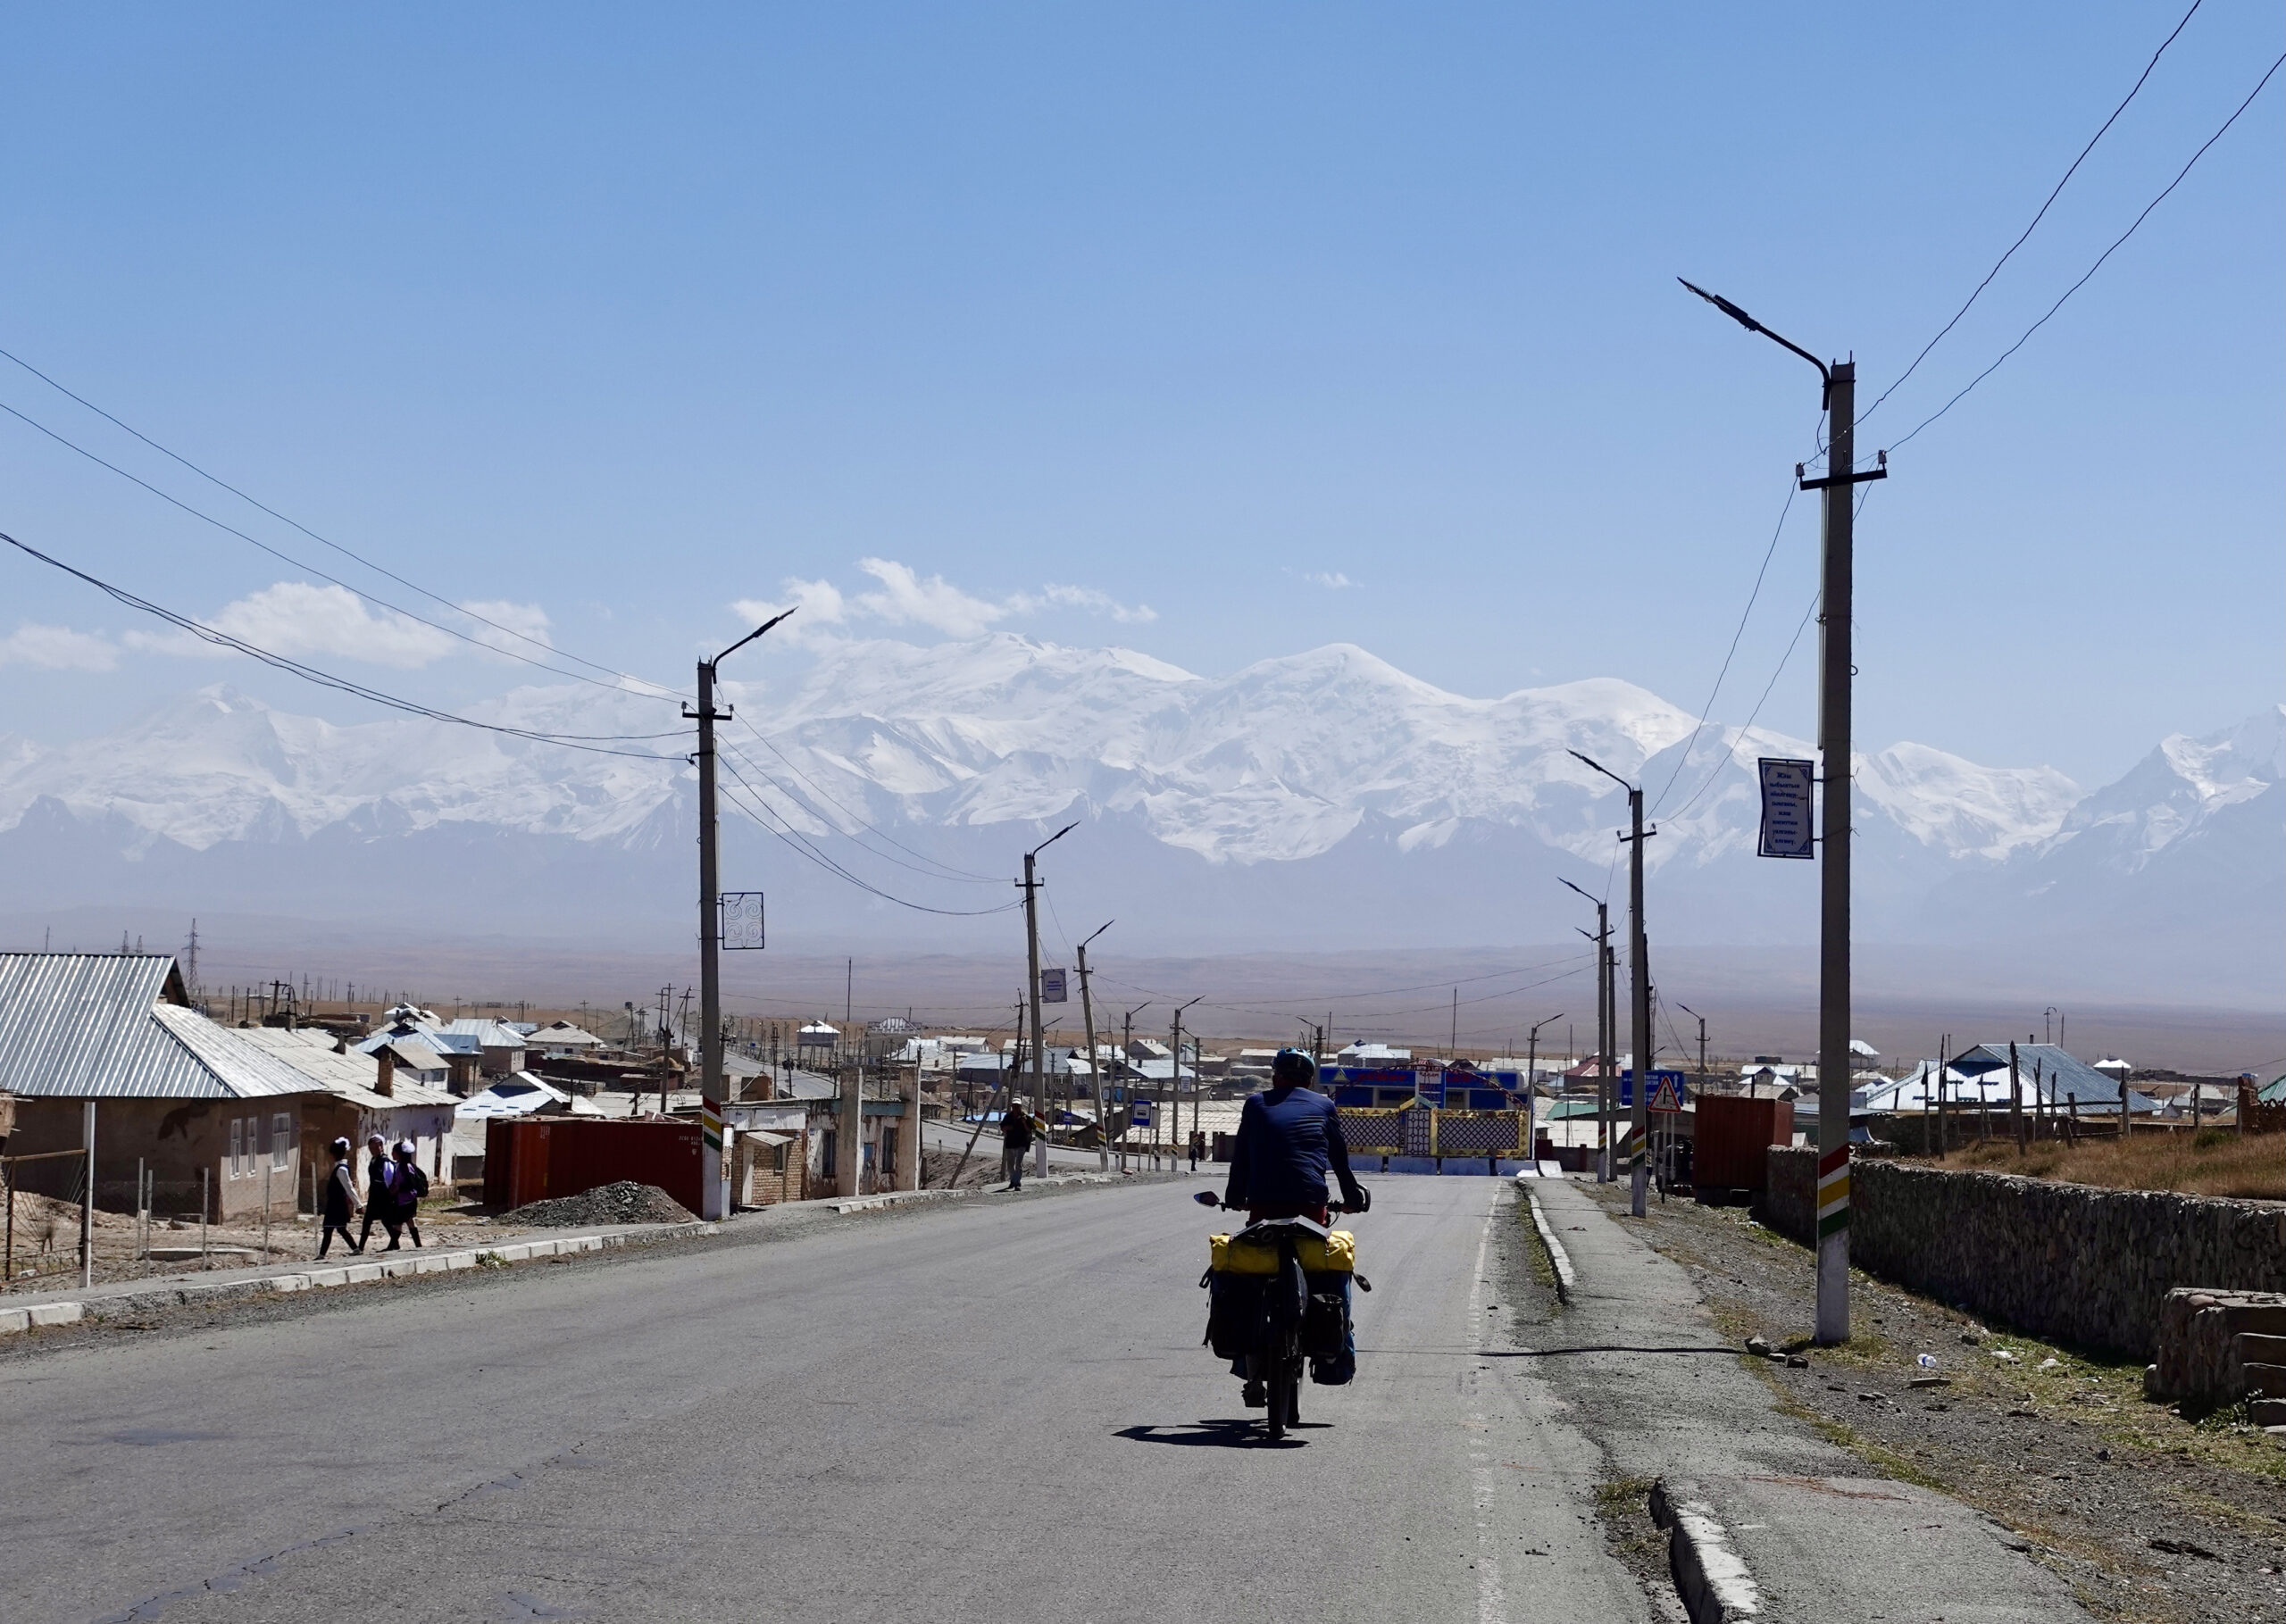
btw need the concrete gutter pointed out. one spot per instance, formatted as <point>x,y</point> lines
<point>1716,1587</point>
<point>145,1297</point>
<point>1566,1281</point>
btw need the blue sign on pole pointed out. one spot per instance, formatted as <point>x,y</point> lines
<point>1788,800</point>
<point>1665,1086</point>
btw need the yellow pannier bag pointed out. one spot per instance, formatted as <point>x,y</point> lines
<point>1335,1254</point>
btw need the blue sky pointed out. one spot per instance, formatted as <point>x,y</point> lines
<point>1245,328</point>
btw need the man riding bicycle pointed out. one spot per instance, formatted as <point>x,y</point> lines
<point>1290,1138</point>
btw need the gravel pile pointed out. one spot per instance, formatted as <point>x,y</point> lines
<point>625,1202</point>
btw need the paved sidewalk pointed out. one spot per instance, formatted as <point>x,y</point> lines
<point>68,1306</point>
<point>1637,1354</point>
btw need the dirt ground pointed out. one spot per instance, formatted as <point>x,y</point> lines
<point>2212,1161</point>
<point>46,1252</point>
<point>2149,1515</point>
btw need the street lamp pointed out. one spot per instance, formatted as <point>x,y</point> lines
<point>1640,975</point>
<point>1838,395</point>
<point>1601,938</point>
<point>1532,1082</point>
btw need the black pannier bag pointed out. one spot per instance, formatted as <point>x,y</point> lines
<point>1326,1334</point>
<point>1238,1312</point>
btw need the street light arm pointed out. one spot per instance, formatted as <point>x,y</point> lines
<point>1753,326</point>
<point>1098,931</point>
<point>1606,771</point>
<point>1051,840</point>
<point>1568,886</point>
<point>751,636</point>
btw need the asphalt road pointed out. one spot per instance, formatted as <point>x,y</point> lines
<point>994,1409</point>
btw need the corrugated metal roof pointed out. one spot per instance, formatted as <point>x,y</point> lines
<point>350,1077</point>
<point>113,1026</point>
<point>489,1034</point>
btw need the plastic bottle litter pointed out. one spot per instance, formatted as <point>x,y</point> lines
<point>1927,1361</point>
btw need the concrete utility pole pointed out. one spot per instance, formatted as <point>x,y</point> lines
<point>1601,938</point>
<point>1700,1084</point>
<point>1095,1060</point>
<point>1531,1085</point>
<point>1030,884</point>
<point>1836,606</point>
<point>1639,970</point>
<point>1174,1087</point>
<point>1126,1047</point>
<point>713,1180</point>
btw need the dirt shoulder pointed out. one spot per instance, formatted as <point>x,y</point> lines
<point>2149,1516</point>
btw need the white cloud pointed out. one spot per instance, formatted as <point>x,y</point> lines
<point>296,619</point>
<point>1334,580</point>
<point>528,620</point>
<point>904,597</point>
<point>57,648</point>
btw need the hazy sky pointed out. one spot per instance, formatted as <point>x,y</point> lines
<point>1243,329</point>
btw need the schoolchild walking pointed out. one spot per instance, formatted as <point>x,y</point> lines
<point>340,1201</point>
<point>411,1185</point>
<point>380,1189</point>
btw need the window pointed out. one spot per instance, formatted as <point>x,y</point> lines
<point>237,1148</point>
<point>889,1152</point>
<point>281,1135</point>
<point>778,1158</point>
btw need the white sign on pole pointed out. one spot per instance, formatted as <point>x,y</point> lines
<point>742,919</point>
<point>1788,801</point>
<point>1051,987</point>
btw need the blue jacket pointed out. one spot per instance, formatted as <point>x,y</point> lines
<point>1288,1140</point>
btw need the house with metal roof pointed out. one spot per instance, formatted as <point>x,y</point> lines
<point>366,1094</point>
<point>2047,1077</point>
<point>214,1119</point>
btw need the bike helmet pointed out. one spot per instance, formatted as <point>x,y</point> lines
<point>1293,1070</point>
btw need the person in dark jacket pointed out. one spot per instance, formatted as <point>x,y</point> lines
<point>380,1189</point>
<point>340,1203</point>
<point>1290,1140</point>
<point>1015,1140</point>
<point>410,1185</point>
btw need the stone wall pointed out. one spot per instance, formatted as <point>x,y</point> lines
<point>2089,1267</point>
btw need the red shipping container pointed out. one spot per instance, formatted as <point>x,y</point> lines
<point>529,1159</point>
<point>1734,1135</point>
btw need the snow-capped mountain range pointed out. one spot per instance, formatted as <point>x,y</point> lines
<point>1323,797</point>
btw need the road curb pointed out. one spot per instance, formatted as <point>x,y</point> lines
<point>1566,1281</point>
<point>1715,1584</point>
<point>183,1293</point>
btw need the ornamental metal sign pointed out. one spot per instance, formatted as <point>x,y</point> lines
<point>1788,803</point>
<point>742,921</point>
<point>1051,987</point>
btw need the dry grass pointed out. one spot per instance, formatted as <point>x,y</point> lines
<point>2216,1162</point>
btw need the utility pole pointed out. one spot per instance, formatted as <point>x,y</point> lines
<point>713,1177</point>
<point>1639,971</point>
<point>1030,884</point>
<point>1700,1084</point>
<point>1836,606</point>
<point>1174,1086</point>
<point>1532,1070</point>
<point>1095,1060</point>
<point>1601,938</point>
<point>1126,1046</point>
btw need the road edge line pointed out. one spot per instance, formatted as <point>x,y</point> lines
<point>1566,1280</point>
<point>1714,1582</point>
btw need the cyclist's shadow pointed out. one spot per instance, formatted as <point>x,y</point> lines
<point>1236,1432</point>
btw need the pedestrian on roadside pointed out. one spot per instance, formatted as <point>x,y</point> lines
<point>411,1185</point>
<point>340,1201</point>
<point>380,1189</point>
<point>1197,1147</point>
<point>1015,1140</point>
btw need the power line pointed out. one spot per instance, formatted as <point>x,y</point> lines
<point>951,872</point>
<point>619,686</point>
<point>797,800</point>
<point>2106,255</point>
<point>2037,218</point>
<point>1708,710</point>
<point>758,810</point>
<point>592,742</point>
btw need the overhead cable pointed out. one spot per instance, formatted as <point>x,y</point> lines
<point>2037,218</point>
<point>2100,258</point>
<point>593,743</point>
<point>660,690</point>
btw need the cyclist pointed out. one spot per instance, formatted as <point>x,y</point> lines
<point>1290,1138</point>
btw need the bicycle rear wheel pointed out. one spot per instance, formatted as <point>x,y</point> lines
<point>1282,1396</point>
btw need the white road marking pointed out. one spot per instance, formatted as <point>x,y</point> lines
<point>1491,1596</point>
